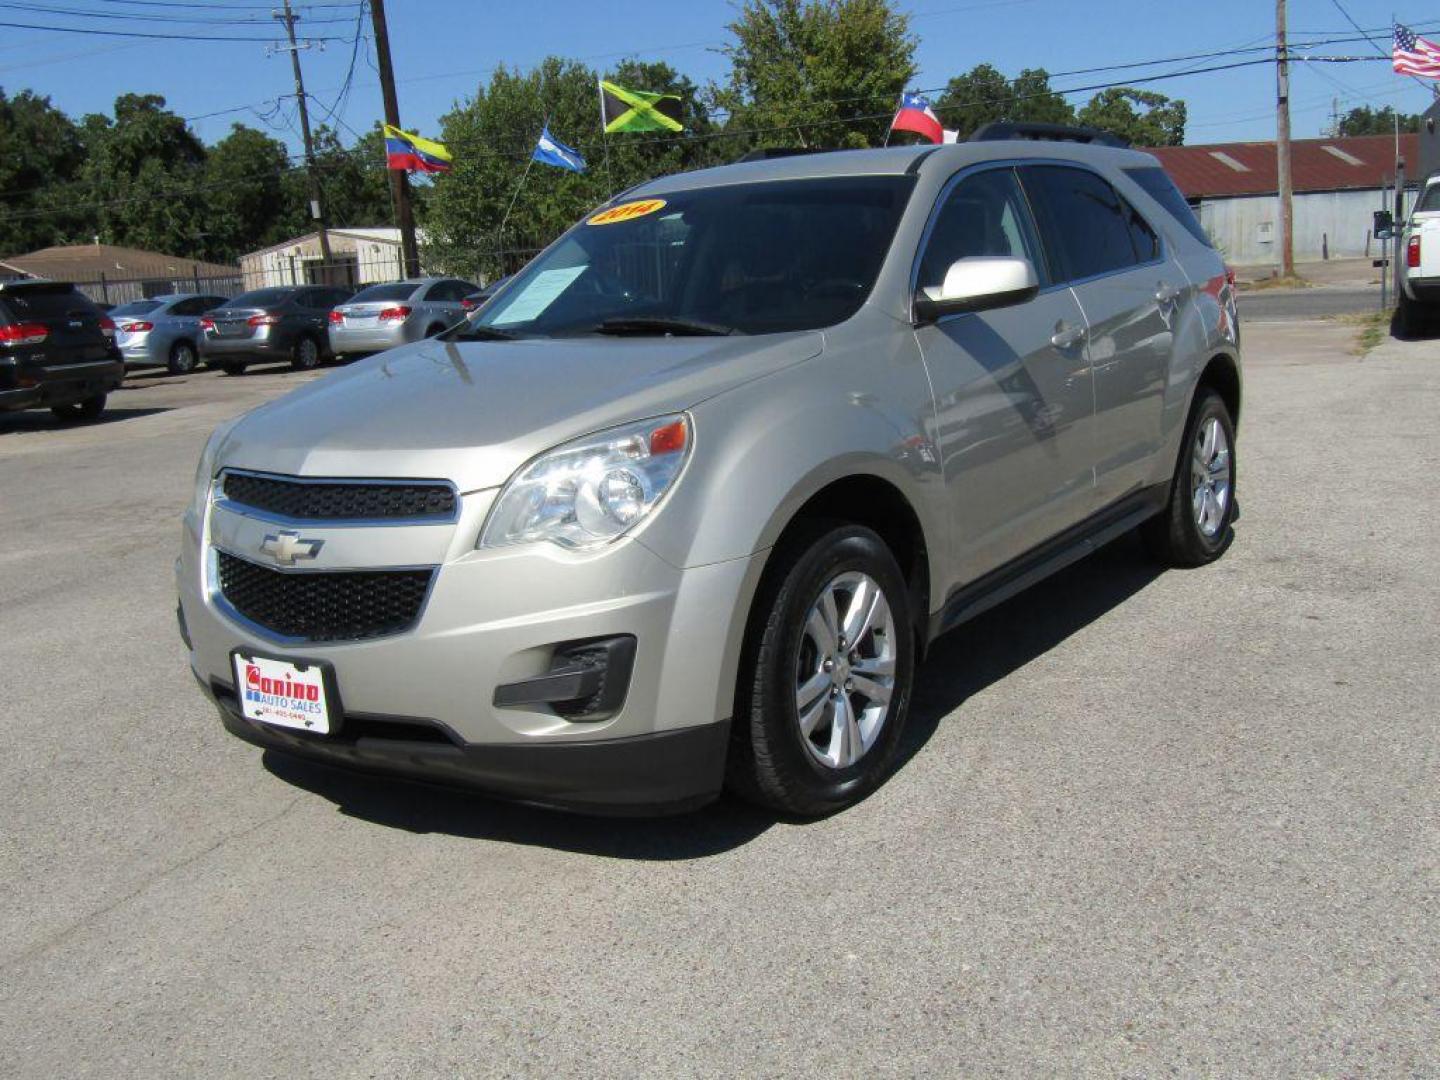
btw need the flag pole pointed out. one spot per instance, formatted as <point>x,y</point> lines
<point>500,232</point>
<point>604,138</point>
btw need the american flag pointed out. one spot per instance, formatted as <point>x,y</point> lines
<point>1414,55</point>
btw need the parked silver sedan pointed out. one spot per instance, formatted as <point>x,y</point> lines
<point>383,316</point>
<point>163,330</point>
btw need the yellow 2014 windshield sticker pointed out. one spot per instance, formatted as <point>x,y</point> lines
<point>626,211</point>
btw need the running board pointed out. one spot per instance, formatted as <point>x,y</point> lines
<point>1070,546</point>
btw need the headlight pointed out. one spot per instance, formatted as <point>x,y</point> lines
<point>593,490</point>
<point>205,470</point>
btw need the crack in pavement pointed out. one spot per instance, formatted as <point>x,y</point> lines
<point>60,936</point>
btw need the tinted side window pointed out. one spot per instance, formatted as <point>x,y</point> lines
<point>330,297</point>
<point>193,306</point>
<point>1082,219</point>
<point>1142,237</point>
<point>984,214</point>
<point>1156,183</point>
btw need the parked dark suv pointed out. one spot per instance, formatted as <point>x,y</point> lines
<point>268,325</point>
<point>57,350</point>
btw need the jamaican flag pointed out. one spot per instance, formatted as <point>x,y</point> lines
<point>638,110</point>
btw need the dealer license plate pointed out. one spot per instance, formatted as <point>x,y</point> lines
<point>286,694</point>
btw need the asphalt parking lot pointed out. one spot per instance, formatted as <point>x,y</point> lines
<point>1148,823</point>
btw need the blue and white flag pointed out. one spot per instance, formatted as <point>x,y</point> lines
<point>550,151</point>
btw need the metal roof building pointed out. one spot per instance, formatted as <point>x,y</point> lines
<point>1338,184</point>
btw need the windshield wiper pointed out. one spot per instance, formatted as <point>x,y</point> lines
<point>659,324</point>
<point>487,333</point>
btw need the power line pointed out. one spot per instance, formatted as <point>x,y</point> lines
<point>151,36</point>
<point>88,13</point>
<point>730,133</point>
<point>216,6</point>
<point>1340,8</point>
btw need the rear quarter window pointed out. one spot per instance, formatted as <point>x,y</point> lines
<point>46,304</point>
<point>1156,183</point>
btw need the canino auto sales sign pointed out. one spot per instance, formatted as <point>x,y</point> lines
<point>278,692</point>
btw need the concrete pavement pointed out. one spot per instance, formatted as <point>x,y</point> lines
<point>1147,823</point>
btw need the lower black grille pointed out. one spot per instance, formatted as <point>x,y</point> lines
<point>336,605</point>
<point>339,500</point>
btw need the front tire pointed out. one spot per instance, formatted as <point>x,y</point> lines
<point>306,354</point>
<point>182,358</point>
<point>825,682</point>
<point>1197,525</point>
<point>87,410</point>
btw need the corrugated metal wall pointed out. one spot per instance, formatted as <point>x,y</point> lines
<point>1247,229</point>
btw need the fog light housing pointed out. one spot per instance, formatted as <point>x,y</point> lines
<point>587,681</point>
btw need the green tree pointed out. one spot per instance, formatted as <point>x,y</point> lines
<point>983,95</point>
<point>1364,120</point>
<point>249,200</point>
<point>493,183</point>
<point>42,154</point>
<point>355,185</point>
<point>816,72</point>
<point>1142,116</point>
<point>143,177</point>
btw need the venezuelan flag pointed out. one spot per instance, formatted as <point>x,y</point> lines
<point>414,154</point>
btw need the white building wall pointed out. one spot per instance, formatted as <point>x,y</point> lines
<point>1247,229</point>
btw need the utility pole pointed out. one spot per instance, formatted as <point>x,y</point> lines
<point>399,179</point>
<point>1282,144</point>
<point>289,18</point>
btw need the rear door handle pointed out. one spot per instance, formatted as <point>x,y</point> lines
<point>1067,337</point>
<point>1165,292</point>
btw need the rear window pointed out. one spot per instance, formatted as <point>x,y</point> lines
<point>400,291</point>
<point>1431,199</point>
<point>136,307</point>
<point>44,303</point>
<point>1157,184</point>
<point>262,298</point>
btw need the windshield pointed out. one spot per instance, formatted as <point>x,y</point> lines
<point>261,298</point>
<point>136,307</point>
<point>398,291</point>
<point>746,258</point>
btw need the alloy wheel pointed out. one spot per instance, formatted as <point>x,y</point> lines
<point>1210,470</point>
<point>845,671</point>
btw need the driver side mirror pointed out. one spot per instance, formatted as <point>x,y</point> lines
<point>978,284</point>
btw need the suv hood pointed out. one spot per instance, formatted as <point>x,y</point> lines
<point>474,412</point>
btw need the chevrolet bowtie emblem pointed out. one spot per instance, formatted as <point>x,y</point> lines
<point>286,546</point>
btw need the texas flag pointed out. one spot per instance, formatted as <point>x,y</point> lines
<point>916,115</point>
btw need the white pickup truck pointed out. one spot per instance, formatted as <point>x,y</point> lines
<point>1419,253</point>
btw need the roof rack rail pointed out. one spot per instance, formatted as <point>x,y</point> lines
<point>770,153</point>
<point>1005,129</point>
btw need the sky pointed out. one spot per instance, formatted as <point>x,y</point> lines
<point>444,48</point>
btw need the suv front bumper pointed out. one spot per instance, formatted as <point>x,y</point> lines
<point>422,704</point>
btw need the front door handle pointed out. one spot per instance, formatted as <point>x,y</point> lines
<point>1067,337</point>
<point>1165,292</point>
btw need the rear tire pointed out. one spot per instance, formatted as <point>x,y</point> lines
<point>182,358</point>
<point>233,367</point>
<point>819,716</point>
<point>434,330</point>
<point>1409,319</point>
<point>306,354</point>
<point>1197,525</point>
<point>87,410</point>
